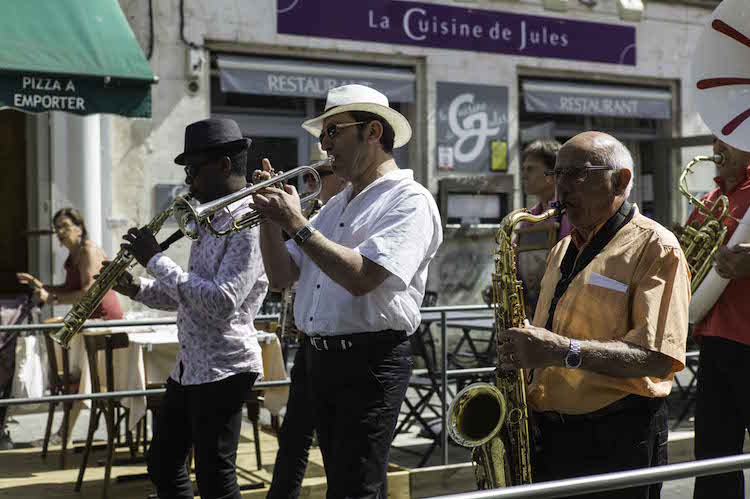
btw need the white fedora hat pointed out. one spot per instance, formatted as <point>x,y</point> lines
<point>361,98</point>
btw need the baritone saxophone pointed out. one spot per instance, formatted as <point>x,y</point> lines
<point>493,419</point>
<point>82,310</point>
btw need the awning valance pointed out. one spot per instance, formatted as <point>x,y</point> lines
<point>76,56</point>
<point>301,78</point>
<point>554,97</point>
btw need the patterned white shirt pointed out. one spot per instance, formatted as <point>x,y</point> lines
<point>216,302</point>
<point>393,222</point>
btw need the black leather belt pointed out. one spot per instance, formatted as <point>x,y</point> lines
<point>624,404</point>
<point>342,343</point>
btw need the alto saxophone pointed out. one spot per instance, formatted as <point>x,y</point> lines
<point>494,419</point>
<point>82,310</point>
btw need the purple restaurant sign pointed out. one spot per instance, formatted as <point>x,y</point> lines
<point>443,26</point>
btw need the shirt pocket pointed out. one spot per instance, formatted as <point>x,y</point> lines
<point>603,303</point>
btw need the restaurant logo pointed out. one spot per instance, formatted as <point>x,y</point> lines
<point>472,126</point>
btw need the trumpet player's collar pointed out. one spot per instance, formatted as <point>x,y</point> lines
<point>349,98</point>
<point>206,138</point>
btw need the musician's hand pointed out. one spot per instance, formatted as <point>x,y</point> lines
<point>264,174</point>
<point>29,279</point>
<point>127,284</point>
<point>142,244</point>
<point>280,206</point>
<point>40,296</point>
<point>734,262</point>
<point>530,347</point>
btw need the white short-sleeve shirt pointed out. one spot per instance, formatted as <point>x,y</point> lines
<point>393,222</point>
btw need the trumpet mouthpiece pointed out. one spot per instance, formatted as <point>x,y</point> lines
<point>719,159</point>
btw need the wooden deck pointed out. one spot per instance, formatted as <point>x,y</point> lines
<point>23,474</point>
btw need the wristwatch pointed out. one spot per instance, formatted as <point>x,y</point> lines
<point>573,357</point>
<point>304,234</point>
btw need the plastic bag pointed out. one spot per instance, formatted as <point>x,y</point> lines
<point>30,380</point>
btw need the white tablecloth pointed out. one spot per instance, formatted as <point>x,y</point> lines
<point>153,352</point>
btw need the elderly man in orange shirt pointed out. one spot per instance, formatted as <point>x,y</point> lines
<point>610,326</point>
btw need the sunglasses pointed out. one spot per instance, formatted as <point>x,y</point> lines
<point>332,129</point>
<point>308,177</point>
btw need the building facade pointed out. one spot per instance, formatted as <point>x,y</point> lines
<point>477,80</point>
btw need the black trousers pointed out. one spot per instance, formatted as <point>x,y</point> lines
<point>356,397</point>
<point>722,412</point>
<point>207,417</point>
<point>634,435</point>
<point>295,435</point>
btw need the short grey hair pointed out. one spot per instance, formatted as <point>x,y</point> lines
<point>609,151</point>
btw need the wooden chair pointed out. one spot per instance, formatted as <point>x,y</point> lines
<point>61,382</point>
<point>108,342</point>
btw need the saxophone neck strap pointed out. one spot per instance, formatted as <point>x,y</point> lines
<point>573,262</point>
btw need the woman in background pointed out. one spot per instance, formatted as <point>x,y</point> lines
<point>83,263</point>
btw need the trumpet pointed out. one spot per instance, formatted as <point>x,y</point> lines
<point>190,219</point>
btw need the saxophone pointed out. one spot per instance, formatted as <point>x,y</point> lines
<point>493,419</point>
<point>82,310</point>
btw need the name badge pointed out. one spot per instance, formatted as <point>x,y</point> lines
<point>606,282</point>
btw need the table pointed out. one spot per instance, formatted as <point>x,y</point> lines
<point>152,352</point>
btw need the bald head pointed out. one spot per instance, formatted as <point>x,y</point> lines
<point>598,148</point>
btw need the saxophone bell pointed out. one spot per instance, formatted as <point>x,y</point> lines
<point>476,415</point>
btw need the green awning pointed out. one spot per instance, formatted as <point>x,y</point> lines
<point>77,56</point>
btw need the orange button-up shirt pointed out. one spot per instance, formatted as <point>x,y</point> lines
<point>728,318</point>
<point>637,289</point>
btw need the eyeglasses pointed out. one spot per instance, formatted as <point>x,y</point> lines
<point>332,129</point>
<point>575,173</point>
<point>308,177</point>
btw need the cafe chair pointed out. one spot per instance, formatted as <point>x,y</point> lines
<point>108,342</point>
<point>61,382</point>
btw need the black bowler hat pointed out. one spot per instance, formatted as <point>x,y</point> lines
<point>210,136</point>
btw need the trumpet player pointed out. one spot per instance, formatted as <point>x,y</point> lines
<point>361,267</point>
<point>216,300</point>
<point>722,411</point>
<point>296,433</point>
<point>610,326</point>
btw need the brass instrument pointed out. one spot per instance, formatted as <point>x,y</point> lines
<point>494,419</point>
<point>699,242</point>
<point>191,218</point>
<point>82,310</point>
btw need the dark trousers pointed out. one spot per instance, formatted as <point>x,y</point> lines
<point>295,435</point>
<point>722,412</point>
<point>207,417</point>
<point>356,397</point>
<point>634,436</point>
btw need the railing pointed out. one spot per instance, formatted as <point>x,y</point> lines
<point>445,373</point>
<point>612,481</point>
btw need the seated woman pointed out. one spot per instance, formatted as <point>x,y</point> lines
<point>83,263</point>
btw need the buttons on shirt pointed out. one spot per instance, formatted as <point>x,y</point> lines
<point>311,318</point>
<point>341,224</point>
<point>318,286</point>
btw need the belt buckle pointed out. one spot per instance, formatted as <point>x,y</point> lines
<point>314,341</point>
